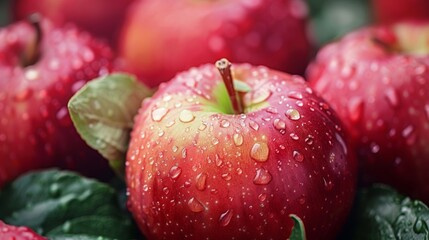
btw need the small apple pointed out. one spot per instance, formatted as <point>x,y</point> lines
<point>377,80</point>
<point>40,68</point>
<point>102,18</point>
<point>232,157</point>
<point>161,38</point>
<point>387,11</point>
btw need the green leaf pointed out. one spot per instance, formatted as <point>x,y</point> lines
<point>103,113</point>
<point>382,213</point>
<point>298,230</point>
<point>61,203</point>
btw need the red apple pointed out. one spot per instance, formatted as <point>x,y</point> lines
<point>9,232</point>
<point>161,38</point>
<point>40,68</point>
<point>198,167</point>
<point>388,11</point>
<point>102,18</point>
<point>377,79</point>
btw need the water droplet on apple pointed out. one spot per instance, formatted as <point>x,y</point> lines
<point>175,172</point>
<point>201,181</point>
<point>392,97</point>
<point>238,139</point>
<point>409,135</point>
<point>184,153</point>
<point>260,96</point>
<point>175,148</point>
<point>226,176</point>
<point>262,177</point>
<point>170,123</point>
<point>254,125</point>
<point>31,74</point>
<point>355,109</point>
<point>218,161</point>
<point>294,136</point>
<point>202,127</point>
<point>145,188</point>
<point>158,114</point>
<point>295,95</point>
<point>298,156</point>
<point>186,116</point>
<point>63,117</point>
<point>329,185</point>
<point>271,110</point>
<point>260,152</point>
<point>301,200</point>
<point>215,141</point>
<point>293,114</point>
<point>375,148</point>
<point>309,140</point>
<point>262,197</point>
<point>407,131</point>
<point>195,205</point>
<point>279,124</point>
<point>224,123</point>
<point>225,218</point>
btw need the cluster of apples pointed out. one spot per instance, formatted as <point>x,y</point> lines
<point>223,150</point>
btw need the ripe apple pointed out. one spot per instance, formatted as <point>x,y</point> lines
<point>377,80</point>
<point>161,38</point>
<point>40,68</point>
<point>387,11</point>
<point>222,160</point>
<point>9,232</point>
<point>102,18</point>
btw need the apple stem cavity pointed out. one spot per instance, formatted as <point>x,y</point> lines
<point>32,55</point>
<point>224,67</point>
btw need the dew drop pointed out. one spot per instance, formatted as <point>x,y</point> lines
<point>392,97</point>
<point>254,125</point>
<point>293,114</point>
<point>175,172</point>
<point>375,148</point>
<point>329,185</point>
<point>226,176</point>
<point>202,127</point>
<point>279,124</point>
<point>262,197</point>
<point>238,139</point>
<point>201,181</point>
<point>407,131</point>
<point>298,156</point>
<point>184,153</point>
<point>225,123</point>
<point>294,136</point>
<point>271,110</point>
<point>260,96</point>
<point>262,177</point>
<point>259,152</point>
<point>195,205</point>
<point>158,114</point>
<point>309,140</point>
<point>225,218</point>
<point>175,148</point>
<point>295,95</point>
<point>186,116</point>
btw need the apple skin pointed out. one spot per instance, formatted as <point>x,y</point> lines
<point>387,12</point>
<point>382,95</point>
<point>196,171</point>
<point>156,34</point>
<point>9,232</point>
<point>102,18</point>
<point>35,128</point>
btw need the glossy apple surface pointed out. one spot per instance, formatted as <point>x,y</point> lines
<point>196,170</point>
<point>102,18</point>
<point>387,11</point>
<point>377,79</point>
<point>162,38</point>
<point>38,75</point>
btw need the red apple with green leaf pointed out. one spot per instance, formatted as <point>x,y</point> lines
<point>102,18</point>
<point>377,80</point>
<point>232,154</point>
<point>161,38</point>
<point>388,11</point>
<point>41,67</point>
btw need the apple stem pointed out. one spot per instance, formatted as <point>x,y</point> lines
<point>33,53</point>
<point>224,67</point>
